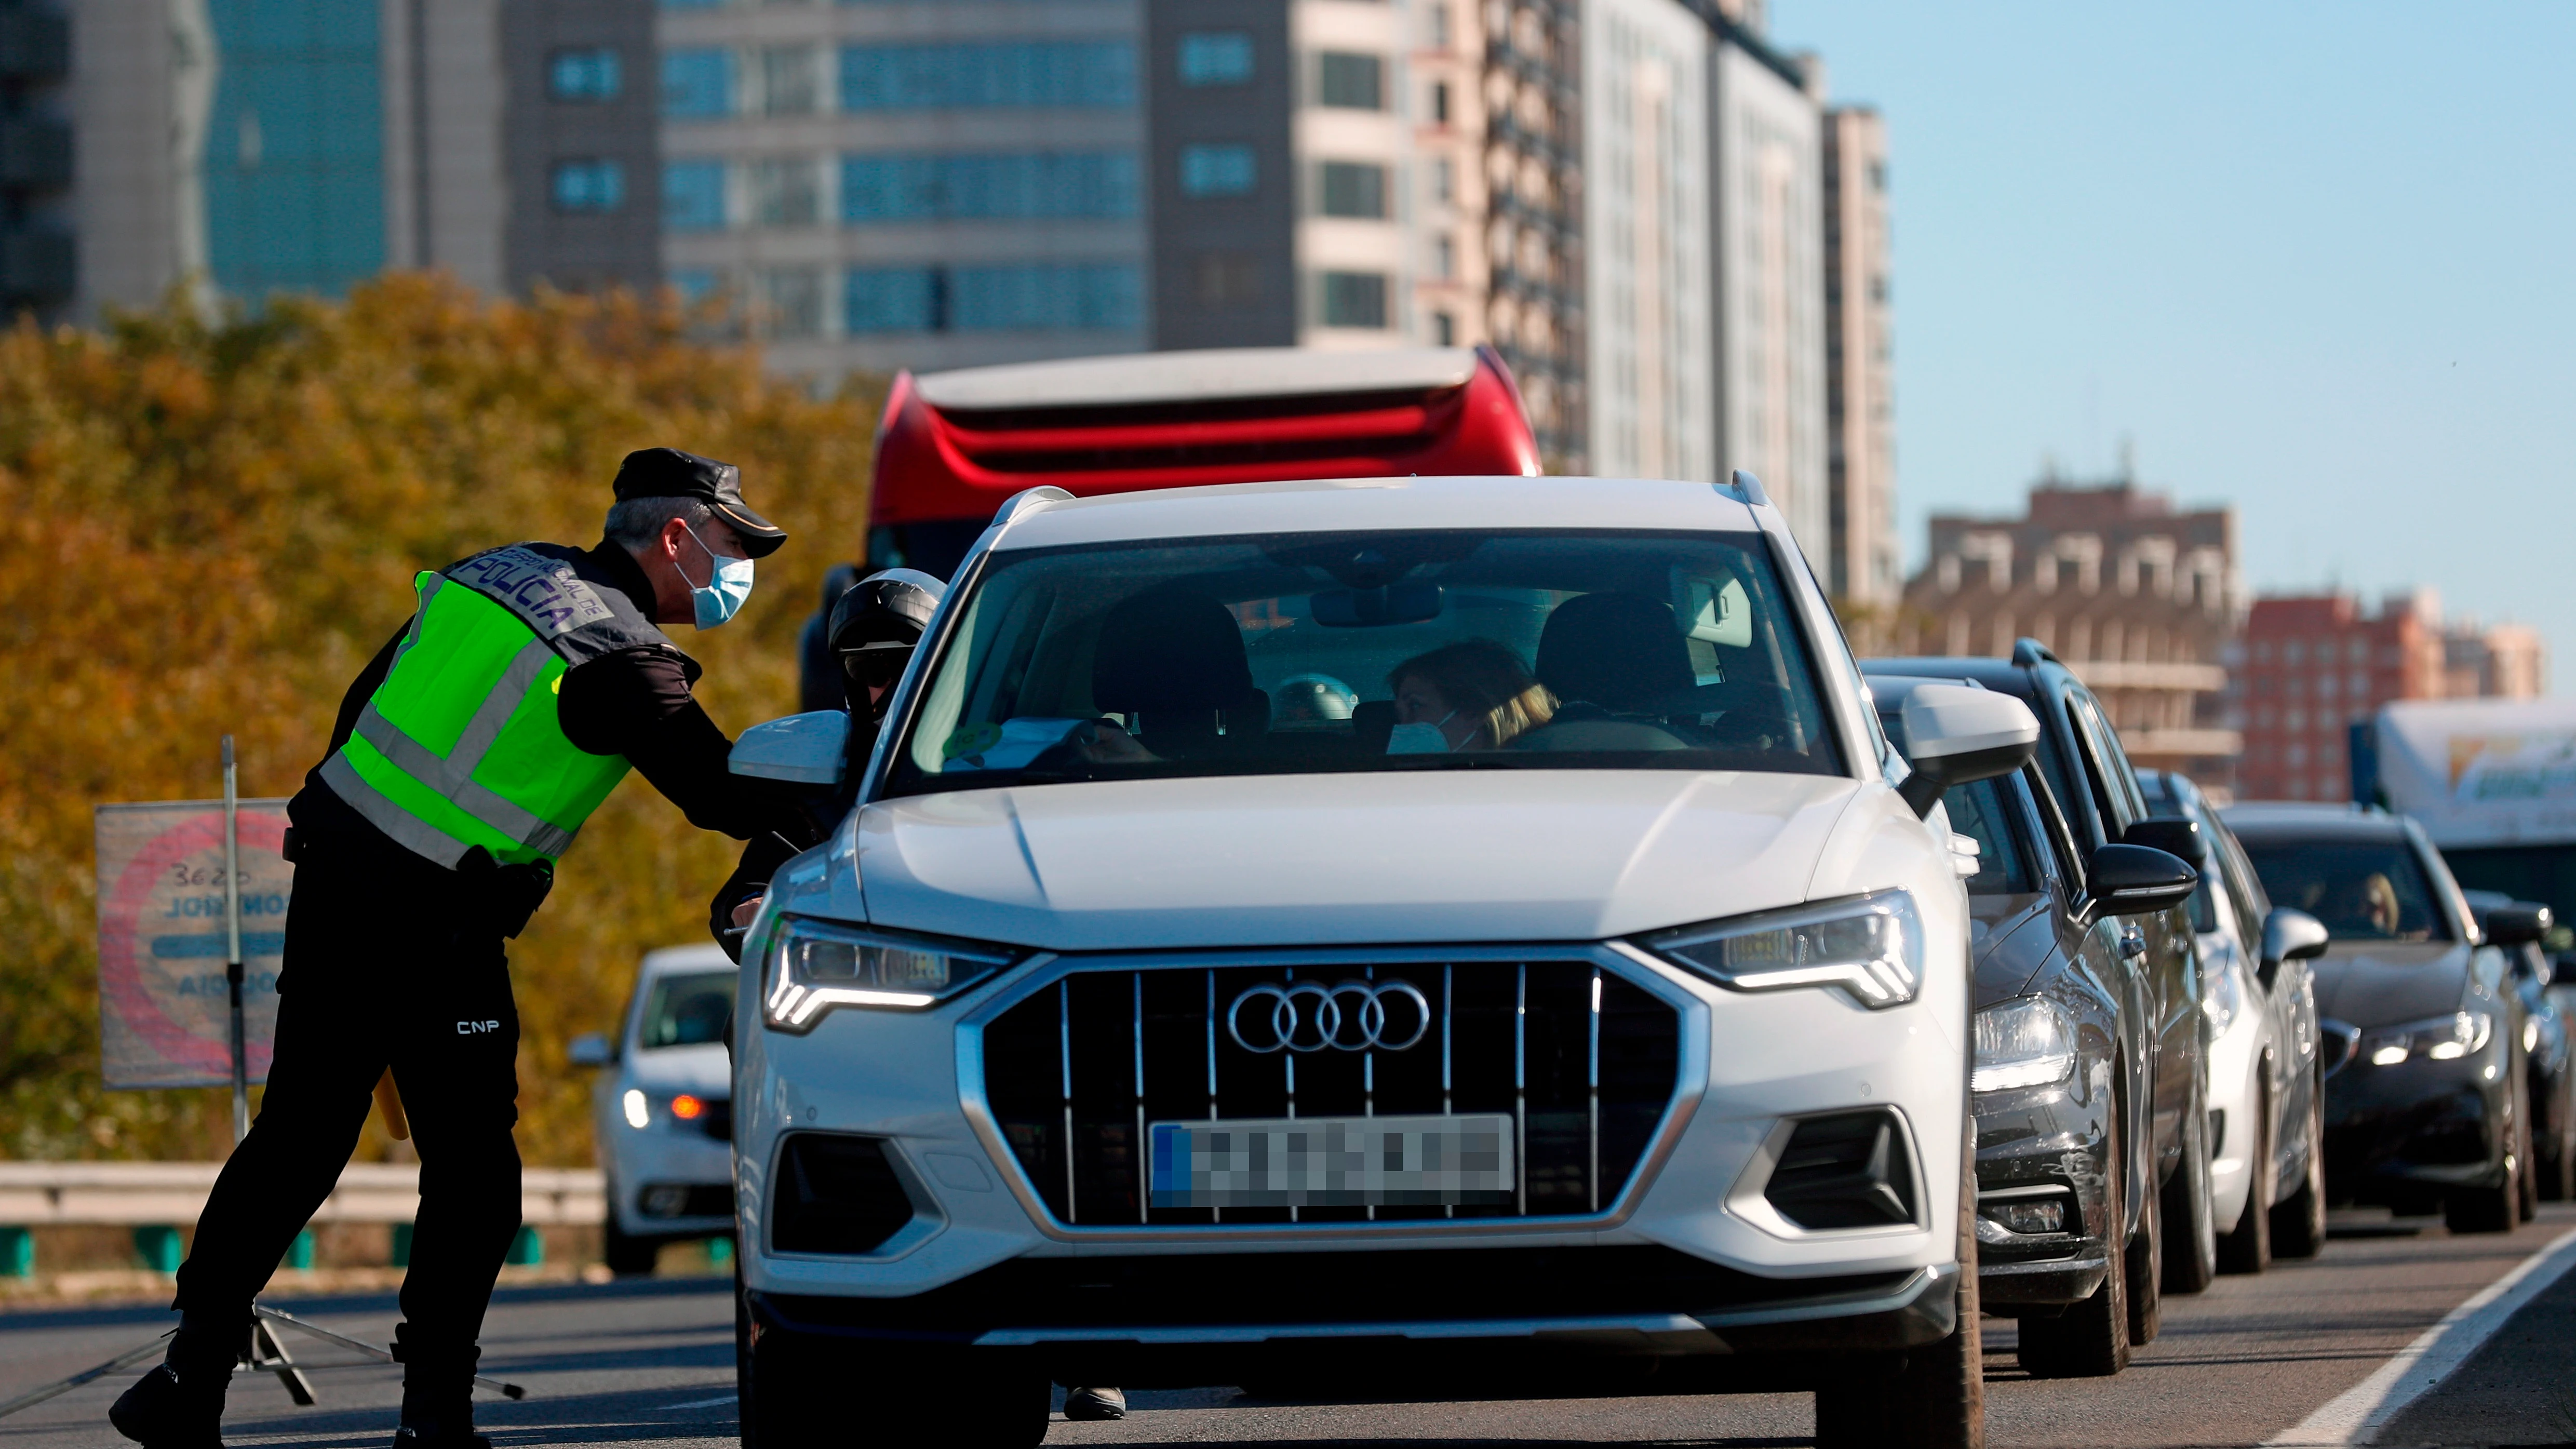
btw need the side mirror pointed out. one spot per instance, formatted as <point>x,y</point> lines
<point>2137,880</point>
<point>590,1049</point>
<point>807,749</point>
<point>2289,935</point>
<point>1955,735</point>
<point>2176,835</point>
<point>2517,925</point>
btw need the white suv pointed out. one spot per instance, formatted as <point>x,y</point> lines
<point>1295,931</point>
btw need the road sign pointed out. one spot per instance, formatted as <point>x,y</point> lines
<point>163,936</point>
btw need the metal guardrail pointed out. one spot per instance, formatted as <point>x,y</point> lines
<point>37,1194</point>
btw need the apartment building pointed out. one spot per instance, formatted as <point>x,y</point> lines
<point>36,262</point>
<point>2317,664</point>
<point>256,146</point>
<point>2141,600</point>
<point>1864,558</point>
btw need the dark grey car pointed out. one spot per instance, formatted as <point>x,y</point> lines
<point>2425,1080</point>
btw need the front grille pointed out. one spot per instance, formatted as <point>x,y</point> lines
<point>686,1200</point>
<point>1582,1061</point>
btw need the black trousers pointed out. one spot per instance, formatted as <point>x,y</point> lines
<point>376,977</point>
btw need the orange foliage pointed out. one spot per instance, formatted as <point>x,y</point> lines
<point>208,528</point>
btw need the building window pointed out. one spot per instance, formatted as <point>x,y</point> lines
<point>1444,329</point>
<point>1352,299</point>
<point>789,82</point>
<point>1444,258</point>
<point>2294,652</point>
<point>943,188</point>
<point>784,193</point>
<point>583,75</point>
<point>589,186</point>
<point>1351,188</point>
<point>792,302</point>
<point>1216,170</point>
<point>1444,179</point>
<point>1346,79</point>
<point>695,284</point>
<point>1216,58</point>
<point>1043,298</point>
<point>693,195</point>
<point>697,84</point>
<point>1440,103</point>
<point>1228,279</point>
<point>1069,73</point>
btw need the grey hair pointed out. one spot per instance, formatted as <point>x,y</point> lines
<point>634,523</point>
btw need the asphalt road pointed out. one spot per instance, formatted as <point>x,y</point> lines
<point>651,1363</point>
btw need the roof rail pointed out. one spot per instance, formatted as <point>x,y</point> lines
<point>1751,487</point>
<point>1029,500</point>
<point>2028,652</point>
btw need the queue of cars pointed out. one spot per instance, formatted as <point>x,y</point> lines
<point>1308,930</point>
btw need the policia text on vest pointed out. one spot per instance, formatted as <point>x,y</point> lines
<point>528,680</point>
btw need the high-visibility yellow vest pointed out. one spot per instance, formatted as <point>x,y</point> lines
<point>461,746</point>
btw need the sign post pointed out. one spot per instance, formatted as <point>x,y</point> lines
<point>232,946</point>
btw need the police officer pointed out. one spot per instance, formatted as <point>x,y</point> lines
<point>872,632</point>
<point>528,680</point>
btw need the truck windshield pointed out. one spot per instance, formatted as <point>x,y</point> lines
<point>1311,653</point>
<point>2364,890</point>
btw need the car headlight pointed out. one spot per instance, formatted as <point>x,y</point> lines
<point>815,966</point>
<point>2225,997</point>
<point>1869,947</point>
<point>2442,1038</point>
<point>639,1113</point>
<point>2024,1043</point>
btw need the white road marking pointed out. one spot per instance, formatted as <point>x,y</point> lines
<point>2358,1414</point>
<point>695,1404</point>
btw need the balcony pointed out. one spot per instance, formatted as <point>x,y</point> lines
<point>35,266</point>
<point>35,45</point>
<point>35,152</point>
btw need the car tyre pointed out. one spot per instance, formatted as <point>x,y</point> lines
<point>1935,1396</point>
<point>2090,1340</point>
<point>2490,1209</point>
<point>783,1403</point>
<point>2299,1220</point>
<point>2190,1222</point>
<point>625,1254</point>
<point>2144,1260</point>
<point>2247,1247</point>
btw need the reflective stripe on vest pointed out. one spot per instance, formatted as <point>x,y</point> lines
<point>486,664</point>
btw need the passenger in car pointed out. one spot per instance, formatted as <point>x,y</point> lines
<point>1471,695</point>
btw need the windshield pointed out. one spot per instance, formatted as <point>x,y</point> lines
<point>2364,890</point>
<point>686,1009</point>
<point>1312,653</point>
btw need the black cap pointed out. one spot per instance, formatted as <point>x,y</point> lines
<point>670,473</point>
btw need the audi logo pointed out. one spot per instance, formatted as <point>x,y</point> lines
<point>1308,1016</point>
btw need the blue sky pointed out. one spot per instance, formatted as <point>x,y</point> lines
<point>2313,259</point>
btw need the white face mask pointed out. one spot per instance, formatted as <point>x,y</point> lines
<point>1419,738</point>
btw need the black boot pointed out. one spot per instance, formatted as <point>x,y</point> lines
<point>180,1405</point>
<point>438,1395</point>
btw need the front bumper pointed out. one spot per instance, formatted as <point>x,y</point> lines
<point>2043,1145</point>
<point>2400,1135</point>
<point>984,1266</point>
<point>1156,1320</point>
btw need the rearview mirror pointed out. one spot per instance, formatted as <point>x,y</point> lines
<point>2289,935</point>
<point>2176,835</point>
<point>1403,602</point>
<point>590,1049</point>
<point>2517,925</point>
<point>2138,880</point>
<point>807,749</point>
<point>1955,735</point>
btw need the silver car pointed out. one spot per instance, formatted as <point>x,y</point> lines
<point>662,1106</point>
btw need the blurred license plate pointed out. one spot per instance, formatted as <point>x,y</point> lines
<point>1333,1161</point>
